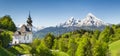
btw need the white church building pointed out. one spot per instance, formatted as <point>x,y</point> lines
<point>24,34</point>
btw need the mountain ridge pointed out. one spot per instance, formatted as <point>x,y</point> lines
<point>90,22</point>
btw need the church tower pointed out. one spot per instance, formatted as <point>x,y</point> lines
<point>24,34</point>
<point>29,22</point>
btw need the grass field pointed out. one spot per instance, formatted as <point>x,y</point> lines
<point>115,48</point>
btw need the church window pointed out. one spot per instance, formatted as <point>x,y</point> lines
<point>28,37</point>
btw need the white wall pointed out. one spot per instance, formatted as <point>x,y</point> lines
<point>23,39</point>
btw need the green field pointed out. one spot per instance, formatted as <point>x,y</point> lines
<point>115,48</point>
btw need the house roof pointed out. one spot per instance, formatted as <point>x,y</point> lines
<point>22,31</point>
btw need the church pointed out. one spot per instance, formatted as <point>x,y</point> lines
<point>24,34</point>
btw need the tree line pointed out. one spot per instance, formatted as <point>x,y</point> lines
<point>76,43</point>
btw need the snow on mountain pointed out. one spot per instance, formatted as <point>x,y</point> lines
<point>89,20</point>
<point>70,22</point>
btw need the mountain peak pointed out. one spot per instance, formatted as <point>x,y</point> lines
<point>91,16</point>
<point>89,20</point>
<point>71,19</point>
<point>70,22</point>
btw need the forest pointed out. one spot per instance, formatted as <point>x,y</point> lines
<point>75,43</point>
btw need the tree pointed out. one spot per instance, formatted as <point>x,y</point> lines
<point>72,46</point>
<point>36,42</point>
<point>100,49</point>
<point>63,44</point>
<point>84,47</point>
<point>116,35</point>
<point>42,50</point>
<point>7,23</point>
<point>96,34</point>
<point>105,34</point>
<point>49,40</point>
<point>5,38</point>
<point>56,43</point>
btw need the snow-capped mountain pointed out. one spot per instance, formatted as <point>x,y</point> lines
<point>89,20</point>
<point>69,22</point>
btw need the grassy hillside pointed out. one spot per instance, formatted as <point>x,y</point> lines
<point>4,52</point>
<point>115,48</point>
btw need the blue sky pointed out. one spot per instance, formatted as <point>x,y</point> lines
<point>52,12</point>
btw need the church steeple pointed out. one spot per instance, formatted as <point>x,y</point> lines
<point>29,21</point>
<point>29,15</point>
